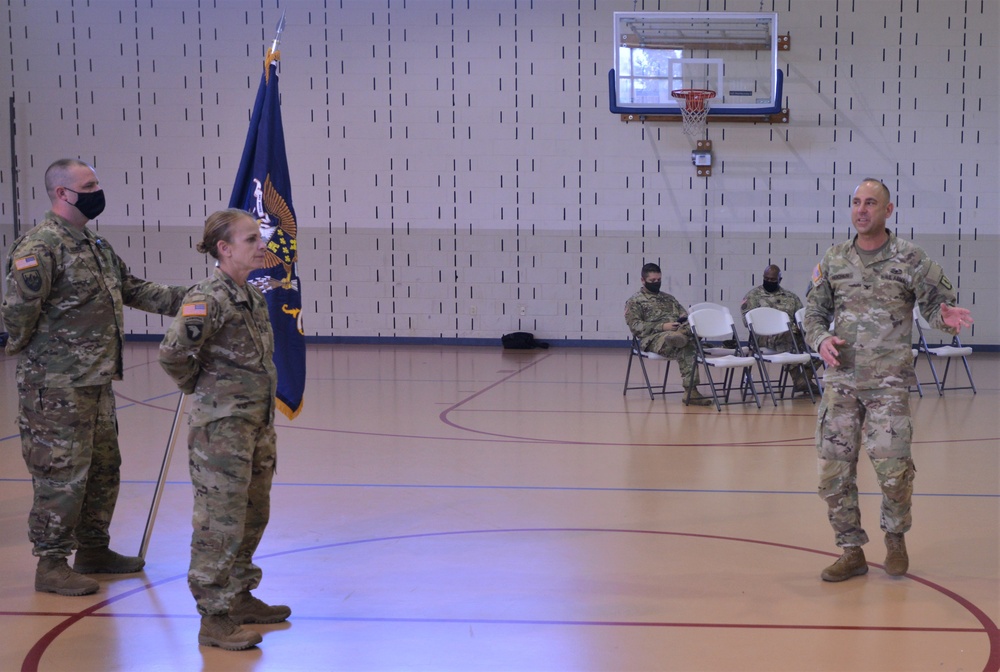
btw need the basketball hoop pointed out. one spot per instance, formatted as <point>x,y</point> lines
<point>693,104</point>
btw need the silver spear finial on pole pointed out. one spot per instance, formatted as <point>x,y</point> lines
<point>277,31</point>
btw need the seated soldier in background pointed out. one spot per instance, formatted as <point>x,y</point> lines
<point>771,295</point>
<point>659,321</point>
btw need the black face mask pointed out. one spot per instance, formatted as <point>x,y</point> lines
<point>771,287</point>
<point>654,287</point>
<point>89,203</point>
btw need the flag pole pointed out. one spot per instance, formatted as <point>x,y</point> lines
<point>162,478</point>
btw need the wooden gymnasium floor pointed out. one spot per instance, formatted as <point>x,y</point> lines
<point>466,508</point>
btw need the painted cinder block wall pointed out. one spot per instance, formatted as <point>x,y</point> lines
<point>455,165</point>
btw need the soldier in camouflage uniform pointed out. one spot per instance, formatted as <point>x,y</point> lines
<point>771,294</point>
<point>869,285</point>
<point>63,309</point>
<point>219,349</point>
<point>654,318</point>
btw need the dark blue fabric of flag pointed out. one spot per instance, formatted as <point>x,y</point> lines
<point>264,189</point>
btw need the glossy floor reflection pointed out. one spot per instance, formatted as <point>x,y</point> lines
<point>464,508</point>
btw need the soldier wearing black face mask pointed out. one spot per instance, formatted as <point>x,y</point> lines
<point>659,321</point>
<point>770,294</point>
<point>66,289</point>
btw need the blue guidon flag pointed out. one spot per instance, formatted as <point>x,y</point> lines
<point>264,189</point>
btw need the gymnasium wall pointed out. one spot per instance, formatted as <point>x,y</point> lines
<point>455,169</point>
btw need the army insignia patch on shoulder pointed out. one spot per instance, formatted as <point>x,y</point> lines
<point>193,330</point>
<point>194,310</point>
<point>945,283</point>
<point>32,280</point>
<point>29,275</point>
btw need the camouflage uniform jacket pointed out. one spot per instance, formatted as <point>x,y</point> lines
<point>784,300</point>
<point>872,309</point>
<point>645,312</point>
<point>220,348</point>
<point>63,306</point>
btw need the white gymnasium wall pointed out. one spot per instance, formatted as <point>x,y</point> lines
<point>454,163</point>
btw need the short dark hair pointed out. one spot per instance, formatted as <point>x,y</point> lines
<point>650,268</point>
<point>875,180</point>
<point>58,172</point>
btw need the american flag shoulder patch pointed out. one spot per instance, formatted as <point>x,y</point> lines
<point>194,310</point>
<point>817,275</point>
<point>24,263</point>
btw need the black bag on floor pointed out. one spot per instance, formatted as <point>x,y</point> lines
<point>521,340</point>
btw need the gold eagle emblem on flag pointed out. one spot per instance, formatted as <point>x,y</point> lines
<point>279,229</point>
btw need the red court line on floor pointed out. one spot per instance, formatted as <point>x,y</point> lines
<point>989,628</point>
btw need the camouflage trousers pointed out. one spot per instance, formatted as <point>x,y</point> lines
<point>880,421</point>
<point>232,463</point>
<point>69,441</point>
<point>667,344</point>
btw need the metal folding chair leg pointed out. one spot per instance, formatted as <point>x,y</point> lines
<point>636,352</point>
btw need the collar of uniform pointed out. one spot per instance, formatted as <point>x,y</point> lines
<point>78,234</point>
<point>238,294</point>
<point>888,249</point>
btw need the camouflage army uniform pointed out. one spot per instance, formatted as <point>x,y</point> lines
<point>219,349</point>
<point>867,400</point>
<point>63,309</point>
<point>788,303</point>
<point>644,313</point>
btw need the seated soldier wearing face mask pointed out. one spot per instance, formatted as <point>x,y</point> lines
<point>659,321</point>
<point>771,295</point>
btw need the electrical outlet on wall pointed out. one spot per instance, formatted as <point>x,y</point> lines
<point>522,311</point>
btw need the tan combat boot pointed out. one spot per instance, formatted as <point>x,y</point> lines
<point>53,575</point>
<point>103,560</point>
<point>851,563</point>
<point>698,399</point>
<point>220,630</point>
<point>245,608</point>
<point>896,559</point>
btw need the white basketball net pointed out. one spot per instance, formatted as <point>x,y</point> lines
<point>694,109</point>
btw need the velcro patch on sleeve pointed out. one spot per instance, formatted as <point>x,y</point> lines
<point>24,263</point>
<point>199,309</point>
<point>817,276</point>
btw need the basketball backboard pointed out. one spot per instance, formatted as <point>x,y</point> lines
<point>734,54</point>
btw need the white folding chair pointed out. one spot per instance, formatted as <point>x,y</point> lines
<point>636,352</point>
<point>707,305</point>
<point>765,321</point>
<point>947,352</point>
<point>710,325</point>
<point>717,351</point>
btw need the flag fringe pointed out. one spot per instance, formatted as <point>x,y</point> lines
<point>287,411</point>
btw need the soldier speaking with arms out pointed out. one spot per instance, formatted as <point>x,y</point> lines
<point>870,285</point>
